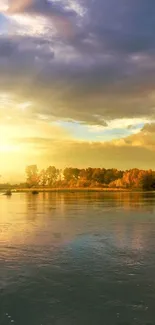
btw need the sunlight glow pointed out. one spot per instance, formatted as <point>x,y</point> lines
<point>4,7</point>
<point>34,26</point>
<point>8,148</point>
<point>24,106</point>
<point>5,99</point>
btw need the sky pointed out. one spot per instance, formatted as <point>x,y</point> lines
<point>77,81</point>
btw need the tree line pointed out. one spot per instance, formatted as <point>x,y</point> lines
<point>90,177</point>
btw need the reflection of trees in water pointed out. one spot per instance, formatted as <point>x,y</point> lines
<point>136,227</point>
<point>135,200</point>
<point>32,207</point>
<point>44,204</point>
<point>128,232</point>
<point>127,200</point>
<point>37,206</point>
<point>126,216</point>
<point>63,202</point>
<point>120,220</point>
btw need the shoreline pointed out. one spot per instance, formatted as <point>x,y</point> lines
<point>73,190</point>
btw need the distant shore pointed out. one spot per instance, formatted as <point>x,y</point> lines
<point>75,190</point>
<point>71,190</point>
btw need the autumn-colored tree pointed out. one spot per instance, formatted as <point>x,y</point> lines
<point>91,177</point>
<point>98,175</point>
<point>52,174</point>
<point>32,178</point>
<point>88,173</point>
<point>71,174</point>
<point>43,177</point>
<point>67,174</point>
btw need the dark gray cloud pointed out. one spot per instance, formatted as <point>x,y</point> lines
<point>7,47</point>
<point>105,70</point>
<point>122,26</point>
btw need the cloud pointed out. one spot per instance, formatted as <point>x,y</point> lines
<point>143,139</point>
<point>102,71</point>
<point>60,17</point>
<point>18,5</point>
<point>41,7</point>
<point>149,128</point>
<point>6,47</point>
<point>83,154</point>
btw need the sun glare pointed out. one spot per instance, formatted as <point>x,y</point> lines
<point>4,7</point>
<point>8,148</point>
<point>6,145</point>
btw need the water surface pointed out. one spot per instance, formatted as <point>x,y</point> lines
<point>77,258</point>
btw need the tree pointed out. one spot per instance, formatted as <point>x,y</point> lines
<point>69,174</point>
<point>98,175</point>
<point>147,180</point>
<point>32,178</point>
<point>43,177</point>
<point>110,176</point>
<point>88,173</point>
<point>90,177</point>
<point>52,175</point>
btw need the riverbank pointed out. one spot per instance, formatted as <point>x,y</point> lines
<point>71,190</point>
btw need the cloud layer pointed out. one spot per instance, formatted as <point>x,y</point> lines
<point>90,65</point>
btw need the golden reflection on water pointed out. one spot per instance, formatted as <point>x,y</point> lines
<point>54,219</point>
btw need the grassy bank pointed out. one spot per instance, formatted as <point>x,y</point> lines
<point>39,189</point>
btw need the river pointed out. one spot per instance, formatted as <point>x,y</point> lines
<point>77,259</point>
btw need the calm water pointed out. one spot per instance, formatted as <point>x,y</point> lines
<point>76,259</point>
